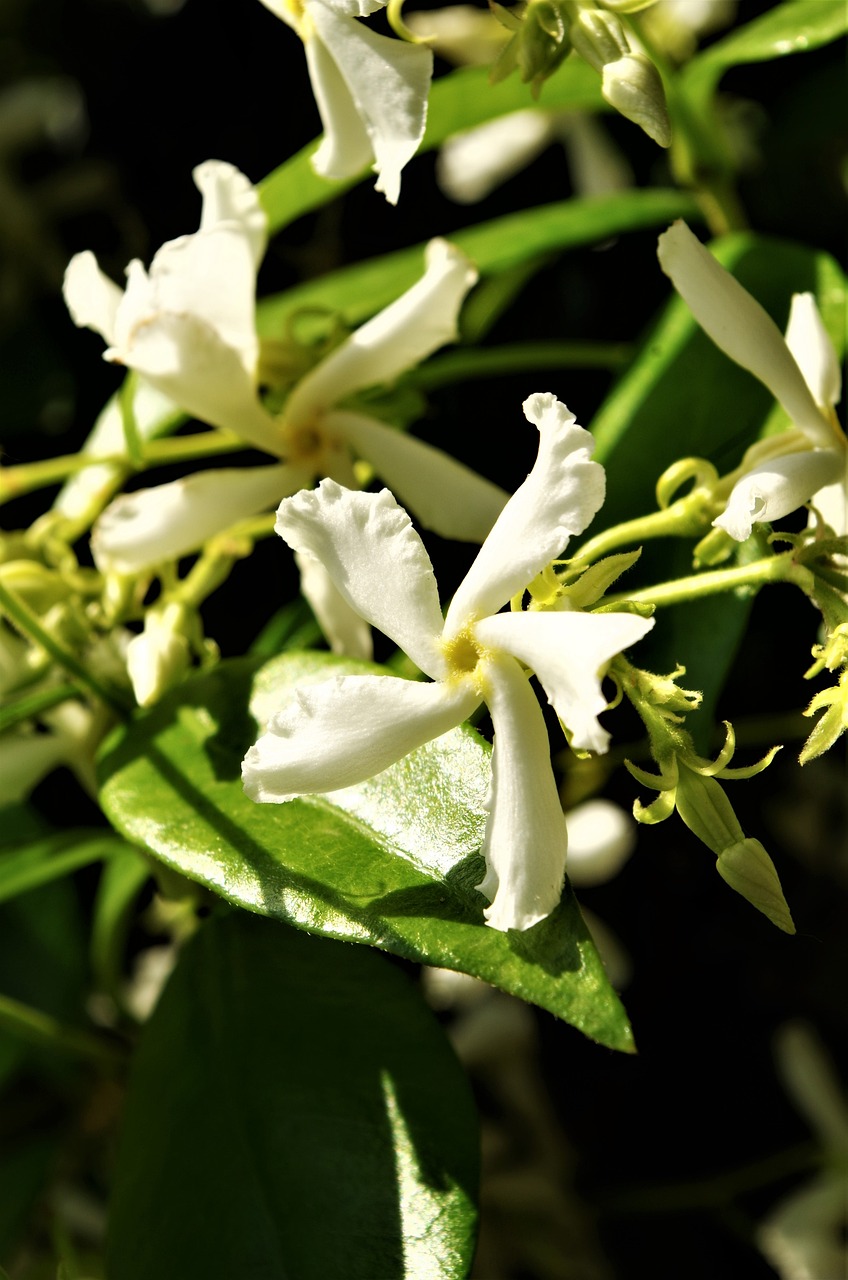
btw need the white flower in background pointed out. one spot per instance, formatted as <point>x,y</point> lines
<point>371,91</point>
<point>317,437</point>
<point>601,838</point>
<point>678,25</point>
<point>805,1237</point>
<point>188,326</point>
<point>347,729</point>
<point>809,464</point>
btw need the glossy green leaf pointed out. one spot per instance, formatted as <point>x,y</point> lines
<point>683,397</point>
<point>392,862</point>
<point>359,290</point>
<point>459,100</point>
<point>294,1111</point>
<point>796,26</point>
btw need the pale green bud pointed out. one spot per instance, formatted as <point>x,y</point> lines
<point>748,869</point>
<point>633,86</point>
<point>599,38</point>
<point>707,812</point>
<point>543,42</point>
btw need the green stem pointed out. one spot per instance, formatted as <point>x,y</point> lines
<point>28,476</point>
<point>213,566</point>
<point>683,519</point>
<point>41,1029</point>
<point>773,569</point>
<point>29,705</point>
<point>24,618</point>
<point>517,357</point>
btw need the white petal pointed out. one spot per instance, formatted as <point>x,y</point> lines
<point>158,656</point>
<point>398,338</point>
<point>185,359</point>
<point>346,632</point>
<point>601,837</point>
<point>526,837</point>
<point>355,8</point>
<point>229,197</point>
<point>377,561</point>
<point>282,9</point>
<point>441,493</point>
<point>142,529</point>
<point>832,504</point>
<point>389,81</point>
<point>810,344</point>
<point>91,297</point>
<point>775,488</point>
<point>739,326</point>
<point>462,33</point>
<point>559,498</point>
<point>804,1236</point>
<point>342,731</point>
<point>568,653</point>
<point>346,148</point>
<point>473,163</point>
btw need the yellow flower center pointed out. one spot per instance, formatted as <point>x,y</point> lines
<point>462,652</point>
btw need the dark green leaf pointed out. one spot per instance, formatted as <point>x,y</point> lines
<point>294,1111</point>
<point>392,862</point>
<point>52,857</point>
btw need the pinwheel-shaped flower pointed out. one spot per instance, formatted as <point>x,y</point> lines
<point>809,464</point>
<point>188,328</point>
<point>371,91</point>
<point>344,730</point>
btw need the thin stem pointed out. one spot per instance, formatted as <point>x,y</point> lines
<point>41,1029</point>
<point>29,705</point>
<point>683,519</point>
<point>214,565</point>
<point>24,618</point>
<point>773,569</point>
<point>26,477</point>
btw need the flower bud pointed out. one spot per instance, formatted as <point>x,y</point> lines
<point>599,38</point>
<point>544,41</point>
<point>707,812</point>
<point>160,655</point>
<point>748,869</point>
<point>633,86</point>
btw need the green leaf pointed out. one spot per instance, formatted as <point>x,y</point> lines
<point>52,857</point>
<point>459,100</point>
<point>681,397</point>
<point>122,880</point>
<point>794,27</point>
<point>392,862</point>
<point>359,290</point>
<point>315,1120</point>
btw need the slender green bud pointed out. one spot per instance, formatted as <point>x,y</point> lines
<point>707,812</point>
<point>599,38</point>
<point>633,86</point>
<point>543,43</point>
<point>748,869</point>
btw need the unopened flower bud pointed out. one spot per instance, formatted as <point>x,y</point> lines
<point>599,38</point>
<point>633,86</point>
<point>160,655</point>
<point>748,869</point>
<point>707,812</point>
<point>544,41</point>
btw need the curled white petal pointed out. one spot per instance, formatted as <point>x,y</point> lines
<point>231,198</point>
<point>388,80</point>
<point>813,351</point>
<point>526,836</point>
<point>601,837</point>
<point>345,730</point>
<point>345,148</point>
<point>376,561</point>
<point>420,321</point>
<point>568,653</point>
<point>558,499</point>
<point>739,326</point>
<point>775,488</point>
<point>441,493</point>
<point>832,503</point>
<point>145,528</point>
<point>346,632</point>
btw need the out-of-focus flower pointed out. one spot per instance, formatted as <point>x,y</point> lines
<point>371,91</point>
<point>345,730</point>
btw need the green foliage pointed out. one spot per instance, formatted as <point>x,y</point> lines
<point>294,1110</point>
<point>392,862</point>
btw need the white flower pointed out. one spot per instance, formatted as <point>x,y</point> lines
<point>371,91</point>
<point>317,438</point>
<point>802,373</point>
<point>601,837</point>
<point>344,730</point>
<point>188,326</point>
